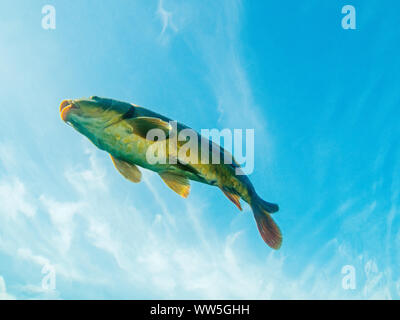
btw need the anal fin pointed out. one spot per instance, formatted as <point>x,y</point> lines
<point>129,171</point>
<point>179,183</point>
<point>233,197</point>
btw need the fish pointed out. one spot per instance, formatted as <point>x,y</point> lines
<point>122,130</point>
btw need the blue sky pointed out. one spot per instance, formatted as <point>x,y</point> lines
<point>323,102</point>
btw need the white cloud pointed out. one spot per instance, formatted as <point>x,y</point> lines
<point>37,292</point>
<point>219,46</point>
<point>7,156</point>
<point>28,255</point>
<point>172,251</point>
<point>14,199</point>
<point>166,20</point>
<point>147,180</point>
<point>3,291</point>
<point>61,215</point>
<point>88,180</point>
<point>169,253</point>
<point>227,76</point>
<point>146,251</point>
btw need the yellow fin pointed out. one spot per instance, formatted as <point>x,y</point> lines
<point>129,171</point>
<point>142,125</point>
<point>233,197</point>
<point>180,184</point>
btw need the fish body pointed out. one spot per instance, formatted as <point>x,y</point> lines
<point>122,130</point>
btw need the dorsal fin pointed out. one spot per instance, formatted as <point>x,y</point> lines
<point>129,171</point>
<point>179,183</point>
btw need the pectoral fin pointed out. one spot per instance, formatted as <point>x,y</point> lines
<point>179,183</point>
<point>233,197</point>
<point>142,125</point>
<point>129,171</point>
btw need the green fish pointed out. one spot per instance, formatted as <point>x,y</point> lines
<point>122,129</point>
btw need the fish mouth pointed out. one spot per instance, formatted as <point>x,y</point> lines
<point>65,108</point>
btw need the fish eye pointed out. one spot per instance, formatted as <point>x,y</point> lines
<point>94,98</point>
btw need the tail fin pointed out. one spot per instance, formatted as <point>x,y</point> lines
<point>270,207</point>
<point>269,230</point>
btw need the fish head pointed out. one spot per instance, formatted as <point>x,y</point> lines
<point>90,115</point>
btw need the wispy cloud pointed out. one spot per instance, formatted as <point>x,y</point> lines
<point>166,21</point>
<point>37,291</point>
<point>7,156</point>
<point>106,237</point>
<point>152,252</point>
<point>14,199</point>
<point>62,217</point>
<point>218,45</point>
<point>3,291</point>
<point>211,266</point>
